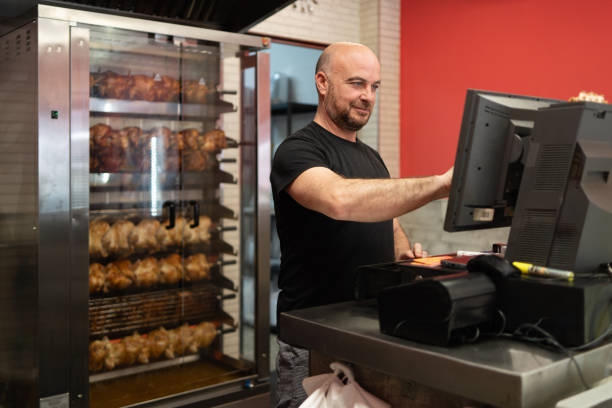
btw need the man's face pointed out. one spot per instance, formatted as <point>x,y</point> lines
<point>353,79</point>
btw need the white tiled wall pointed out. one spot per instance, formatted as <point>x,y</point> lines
<point>329,21</point>
<point>389,96</point>
<point>368,35</point>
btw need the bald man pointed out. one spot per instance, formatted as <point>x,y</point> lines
<point>336,207</point>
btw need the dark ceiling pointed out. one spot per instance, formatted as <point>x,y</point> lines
<point>226,15</point>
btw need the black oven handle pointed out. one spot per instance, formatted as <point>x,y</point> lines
<point>196,213</point>
<point>171,213</point>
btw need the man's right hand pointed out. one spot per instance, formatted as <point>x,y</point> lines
<point>447,180</point>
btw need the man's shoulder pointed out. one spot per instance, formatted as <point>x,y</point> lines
<point>309,134</point>
<point>311,130</point>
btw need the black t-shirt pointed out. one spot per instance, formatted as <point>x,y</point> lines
<point>319,255</point>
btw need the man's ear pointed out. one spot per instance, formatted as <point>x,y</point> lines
<point>321,82</point>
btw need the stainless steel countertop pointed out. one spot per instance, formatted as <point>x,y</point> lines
<point>500,372</point>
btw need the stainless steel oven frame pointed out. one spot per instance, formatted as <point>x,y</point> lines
<point>44,224</point>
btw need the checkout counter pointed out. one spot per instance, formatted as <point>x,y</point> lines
<point>542,166</point>
<point>490,372</point>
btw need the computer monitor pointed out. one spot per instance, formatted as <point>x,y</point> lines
<point>490,159</point>
<point>541,166</point>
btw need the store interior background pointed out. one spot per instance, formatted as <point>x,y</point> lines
<point>430,53</point>
<point>378,25</point>
<point>433,51</point>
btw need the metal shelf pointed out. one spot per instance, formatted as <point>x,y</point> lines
<point>138,181</point>
<point>166,110</point>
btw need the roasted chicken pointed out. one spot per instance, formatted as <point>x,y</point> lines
<point>146,272</point>
<point>110,354</point>
<point>194,91</point>
<point>116,240</point>
<point>114,150</point>
<point>170,269</point>
<point>166,89</point>
<point>142,237</point>
<point>115,354</point>
<point>204,229</point>
<point>97,278</point>
<point>194,160</point>
<point>141,88</point>
<point>97,229</point>
<point>214,140</point>
<point>119,275</point>
<point>97,355</point>
<point>136,349</point>
<point>171,350</point>
<point>186,342</point>
<point>205,333</point>
<point>113,85</point>
<point>197,268</point>
<point>158,341</point>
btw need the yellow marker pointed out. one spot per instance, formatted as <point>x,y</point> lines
<point>529,269</point>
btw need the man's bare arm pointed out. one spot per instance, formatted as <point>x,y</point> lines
<point>365,200</point>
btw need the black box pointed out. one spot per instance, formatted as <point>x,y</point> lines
<point>573,312</point>
<point>437,311</point>
<point>371,279</point>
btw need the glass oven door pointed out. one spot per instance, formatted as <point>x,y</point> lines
<point>165,235</point>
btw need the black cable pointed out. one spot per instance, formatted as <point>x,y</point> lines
<point>604,271</point>
<point>503,316</point>
<point>595,342</point>
<point>474,337</point>
<point>602,303</point>
<point>553,341</point>
<point>545,339</point>
<point>524,332</point>
<point>606,268</point>
<point>500,332</point>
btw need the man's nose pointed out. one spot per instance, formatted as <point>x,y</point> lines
<point>368,94</point>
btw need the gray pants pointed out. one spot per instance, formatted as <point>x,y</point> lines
<point>292,367</point>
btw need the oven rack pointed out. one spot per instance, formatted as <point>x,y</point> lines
<point>118,316</point>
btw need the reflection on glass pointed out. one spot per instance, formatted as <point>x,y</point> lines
<point>155,193</point>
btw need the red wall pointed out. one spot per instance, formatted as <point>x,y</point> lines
<point>547,48</point>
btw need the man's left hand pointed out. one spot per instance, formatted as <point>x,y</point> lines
<point>415,252</point>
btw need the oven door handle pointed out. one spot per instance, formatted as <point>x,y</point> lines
<point>171,213</point>
<point>196,213</point>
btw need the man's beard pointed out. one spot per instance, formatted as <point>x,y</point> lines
<point>342,117</point>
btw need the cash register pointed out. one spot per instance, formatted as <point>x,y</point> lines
<point>542,167</point>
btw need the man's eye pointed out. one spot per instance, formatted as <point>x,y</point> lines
<point>375,87</point>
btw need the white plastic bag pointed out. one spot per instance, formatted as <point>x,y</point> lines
<point>330,391</point>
